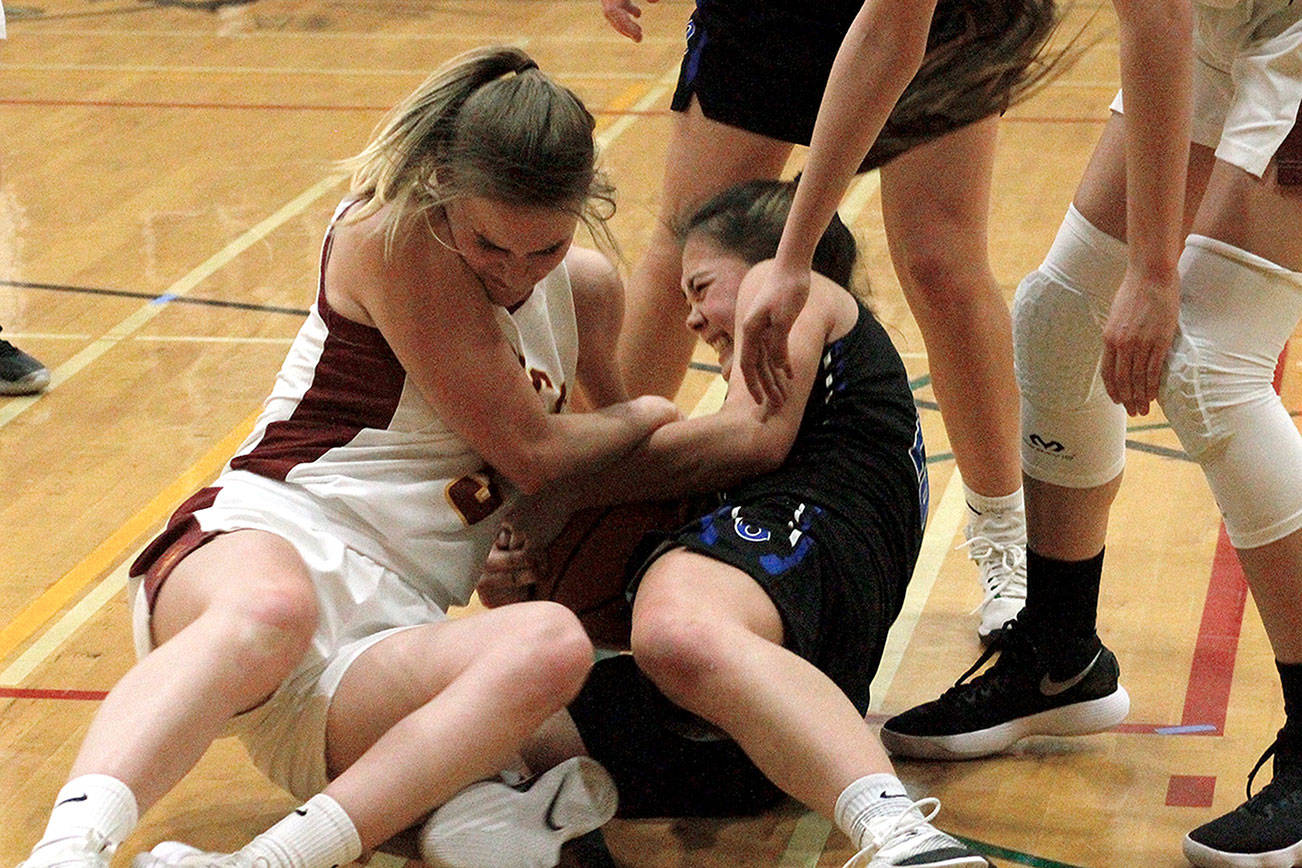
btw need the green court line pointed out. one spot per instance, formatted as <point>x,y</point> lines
<point>1020,858</point>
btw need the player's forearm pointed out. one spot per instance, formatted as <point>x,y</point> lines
<point>705,454</point>
<point>1156,75</point>
<point>879,56</point>
<point>579,443</point>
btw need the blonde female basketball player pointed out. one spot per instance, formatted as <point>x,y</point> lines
<point>767,616</point>
<point>299,601</point>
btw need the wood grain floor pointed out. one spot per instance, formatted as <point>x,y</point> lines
<point>166,171</point>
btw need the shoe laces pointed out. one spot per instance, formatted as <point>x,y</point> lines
<point>1016,650</point>
<point>1276,794</point>
<point>1003,567</point>
<point>901,837</point>
<point>85,847</point>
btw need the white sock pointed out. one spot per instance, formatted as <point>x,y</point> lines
<point>319,834</point>
<point>95,803</point>
<point>1005,514</point>
<point>870,799</point>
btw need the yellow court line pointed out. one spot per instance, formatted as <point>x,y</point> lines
<point>668,79</point>
<point>44,607</point>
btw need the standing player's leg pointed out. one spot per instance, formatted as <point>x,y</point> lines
<point>1073,452</point>
<point>704,158</point>
<point>1241,277</point>
<point>935,201</point>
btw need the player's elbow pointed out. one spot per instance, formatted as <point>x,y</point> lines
<point>531,472</point>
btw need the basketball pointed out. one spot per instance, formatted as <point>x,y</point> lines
<point>587,567</point>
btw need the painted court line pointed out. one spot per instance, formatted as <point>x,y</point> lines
<point>16,406</point>
<point>62,592</point>
<point>663,85</point>
<point>72,621</point>
<point>937,543</point>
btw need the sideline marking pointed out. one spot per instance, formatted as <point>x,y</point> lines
<point>664,84</point>
<point>936,547</point>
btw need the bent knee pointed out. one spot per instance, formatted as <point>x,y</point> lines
<point>554,648</point>
<point>275,626</point>
<point>676,650</point>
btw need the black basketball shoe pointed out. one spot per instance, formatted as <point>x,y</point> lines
<point>1263,832</point>
<point>1019,695</point>
<point>20,374</point>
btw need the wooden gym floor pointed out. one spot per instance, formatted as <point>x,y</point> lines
<point>166,170</point>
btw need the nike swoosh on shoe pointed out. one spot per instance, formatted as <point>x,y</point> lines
<point>1049,687</point>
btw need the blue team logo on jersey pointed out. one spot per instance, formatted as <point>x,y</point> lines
<point>918,454</point>
<point>747,531</point>
<point>801,520</point>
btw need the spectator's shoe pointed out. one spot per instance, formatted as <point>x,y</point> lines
<point>997,543</point>
<point>493,825</point>
<point>909,839</point>
<point>1019,695</point>
<point>88,850</point>
<point>1263,832</point>
<point>20,374</point>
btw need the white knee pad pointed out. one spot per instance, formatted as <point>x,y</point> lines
<point>1072,433</point>
<point>1237,310</point>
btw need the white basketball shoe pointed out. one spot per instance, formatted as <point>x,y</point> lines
<point>493,825</point>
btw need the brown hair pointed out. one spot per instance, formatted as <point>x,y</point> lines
<point>983,56</point>
<point>747,220</point>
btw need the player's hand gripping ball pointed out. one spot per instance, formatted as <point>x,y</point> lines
<point>586,568</point>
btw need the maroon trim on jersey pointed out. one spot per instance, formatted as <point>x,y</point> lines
<point>1288,159</point>
<point>357,383</point>
<point>181,536</point>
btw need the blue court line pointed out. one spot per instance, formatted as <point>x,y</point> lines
<point>1187,729</point>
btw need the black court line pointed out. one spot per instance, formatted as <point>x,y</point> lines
<point>165,298</point>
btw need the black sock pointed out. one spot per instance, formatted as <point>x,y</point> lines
<point>1289,745</point>
<point>1062,601</point>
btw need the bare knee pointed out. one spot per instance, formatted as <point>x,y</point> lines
<point>268,631</point>
<point>678,651</point>
<point>943,279</point>
<point>552,652</point>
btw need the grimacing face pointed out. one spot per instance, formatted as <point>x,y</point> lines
<point>509,247</point>
<point>711,277</point>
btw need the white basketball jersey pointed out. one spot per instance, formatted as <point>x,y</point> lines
<point>346,427</point>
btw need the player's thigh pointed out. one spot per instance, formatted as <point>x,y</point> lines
<point>936,199</point>
<point>1254,214</point>
<point>253,572</point>
<point>1101,194</point>
<point>706,157</point>
<point>682,583</point>
<point>407,668</point>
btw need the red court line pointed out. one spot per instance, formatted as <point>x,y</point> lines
<point>34,693</point>
<point>84,103</point>
<point>1207,698</point>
